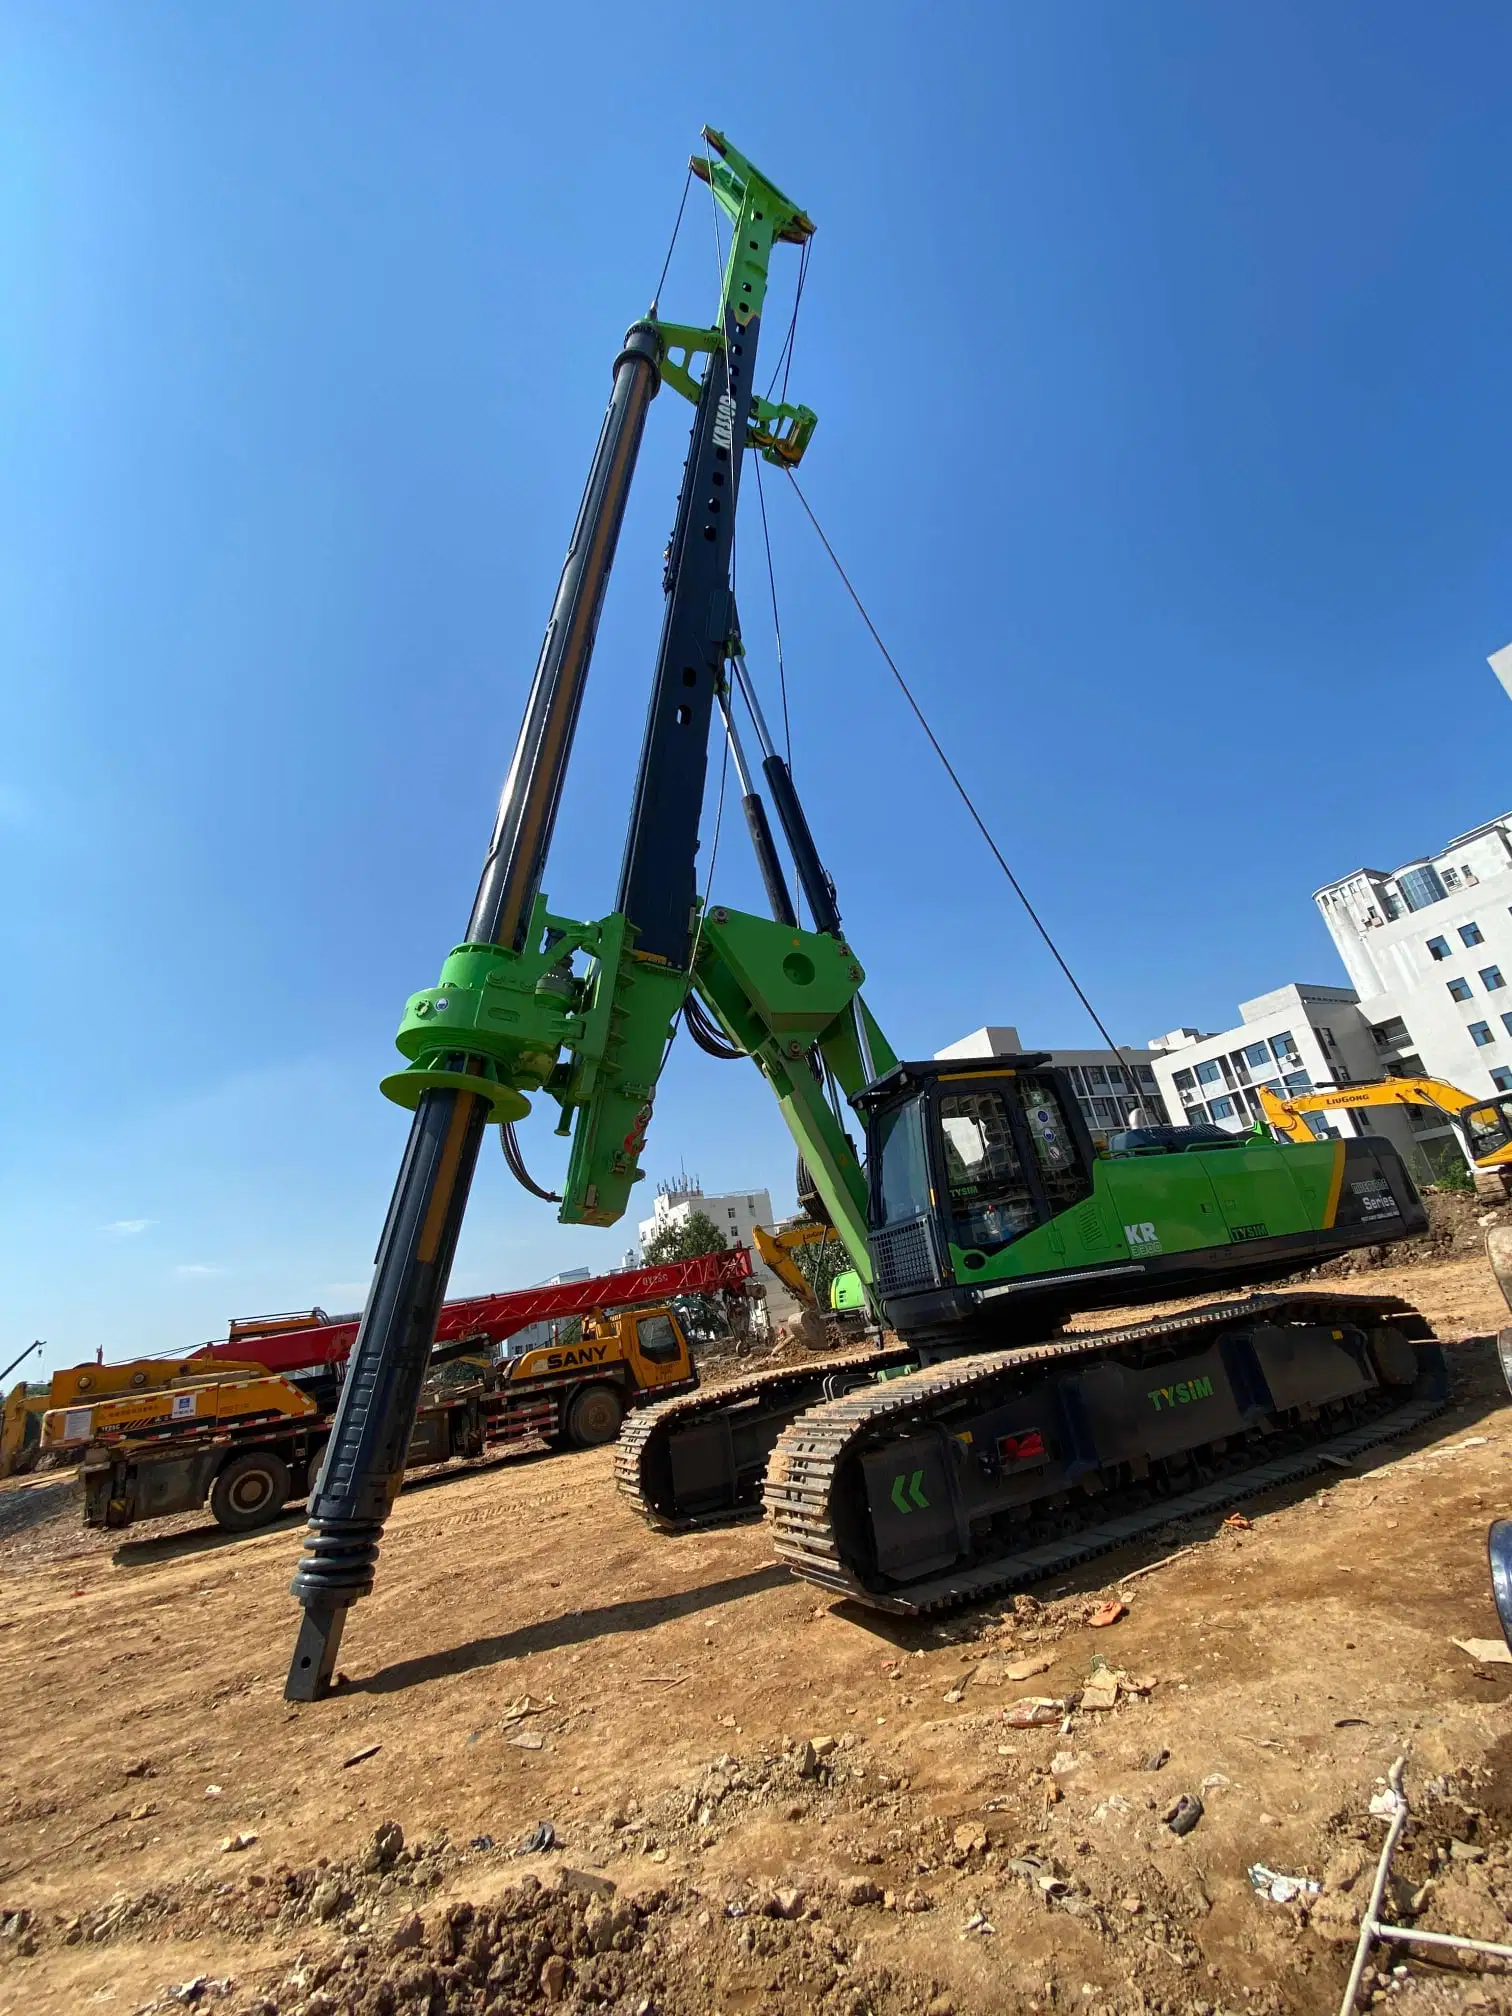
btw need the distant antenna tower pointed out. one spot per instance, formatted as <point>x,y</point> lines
<point>681,1185</point>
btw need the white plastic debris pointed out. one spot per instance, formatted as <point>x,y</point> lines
<point>1279,1887</point>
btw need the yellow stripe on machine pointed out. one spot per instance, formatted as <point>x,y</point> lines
<point>1335,1185</point>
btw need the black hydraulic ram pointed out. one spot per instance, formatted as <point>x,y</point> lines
<point>364,1462</point>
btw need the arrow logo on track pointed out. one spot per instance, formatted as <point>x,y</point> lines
<point>915,1491</point>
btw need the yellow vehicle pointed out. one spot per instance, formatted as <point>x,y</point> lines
<point>847,1305</point>
<point>1485,1124</point>
<point>249,1441</point>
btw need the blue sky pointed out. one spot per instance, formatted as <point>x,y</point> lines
<point>1159,352</point>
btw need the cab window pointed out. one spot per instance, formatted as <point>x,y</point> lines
<point>903,1182</point>
<point>658,1339</point>
<point>1489,1127</point>
<point>1060,1171</point>
<point>990,1199</point>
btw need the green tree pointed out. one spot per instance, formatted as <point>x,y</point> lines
<point>820,1263</point>
<point>684,1239</point>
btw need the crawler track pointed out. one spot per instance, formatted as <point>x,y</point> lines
<point>811,1486</point>
<point>641,1466</point>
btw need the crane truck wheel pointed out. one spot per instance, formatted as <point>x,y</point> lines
<point>594,1417</point>
<point>252,1489</point>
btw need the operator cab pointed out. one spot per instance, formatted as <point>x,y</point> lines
<point>1488,1127</point>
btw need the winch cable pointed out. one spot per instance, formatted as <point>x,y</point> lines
<point>787,726</point>
<point>963,793</point>
<point>672,242</point>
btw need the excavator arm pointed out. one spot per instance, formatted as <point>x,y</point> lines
<point>1485,1123</point>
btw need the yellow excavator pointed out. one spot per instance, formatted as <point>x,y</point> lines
<point>1485,1125</point>
<point>847,1305</point>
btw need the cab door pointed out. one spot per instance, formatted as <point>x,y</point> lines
<point>656,1348</point>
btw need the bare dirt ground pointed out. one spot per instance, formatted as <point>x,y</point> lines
<point>760,1801</point>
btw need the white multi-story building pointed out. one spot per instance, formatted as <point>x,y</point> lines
<point>1429,949</point>
<point>1109,1084</point>
<point>1299,1038</point>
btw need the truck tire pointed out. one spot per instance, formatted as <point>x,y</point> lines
<point>249,1491</point>
<point>594,1417</point>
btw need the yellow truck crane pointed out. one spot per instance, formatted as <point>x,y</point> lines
<point>1484,1125</point>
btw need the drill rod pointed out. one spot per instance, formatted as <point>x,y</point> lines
<point>364,1460</point>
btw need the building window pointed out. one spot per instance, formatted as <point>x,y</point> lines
<point>1491,978</point>
<point>1257,1054</point>
<point>1222,1109</point>
<point>1501,1078</point>
<point>1459,990</point>
<point>1438,948</point>
<point>1394,1031</point>
<point>1183,1081</point>
<point>1420,887</point>
<point>1471,878</point>
<point>1195,1113</point>
<point>1285,1048</point>
<point>732,1210</point>
<point>1146,1076</point>
<point>1471,934</point>
<point>1507,1024</point>
<point>1410,1066</point>
<point>1297,1081</point>
<point>1480,1034</point>
<point>1208,1074</point>
<point>1451,880</point>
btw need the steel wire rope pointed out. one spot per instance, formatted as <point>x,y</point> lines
<point>672,242</point>
<point>962,792</point>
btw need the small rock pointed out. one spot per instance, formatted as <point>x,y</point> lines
<point>918,1900</point>
<point>234,1843</point>
<point>407,1934</point>
<point>1133,1905</point>
<point>142,1768</point>
<point>823,1746</point>
<point>784,1904</point>
<point>1466,1851</point>
<point>860,1890</point>
<point>940,2006</point>
<point>598,1923</point>
<point>527,1740</point>
<point>1034,1711</point>
<point>584,1881</point>
<point>806,1757</point>
<point>327,1899</point>
<point>1156,1760</point>
<point>214,1792</point>
<point>554,1978</point>
<point>955,1694</point>
<point>383,1850</point>
<point>970,1839</point>
<point>1183,1816</point>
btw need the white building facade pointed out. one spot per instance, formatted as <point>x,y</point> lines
<point>1429,949</point>
<point>1296,1039</point>
<point>1109,1084</point>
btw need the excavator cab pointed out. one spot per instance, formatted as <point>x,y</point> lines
<point>1488,1131</point>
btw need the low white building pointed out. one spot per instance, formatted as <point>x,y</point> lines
<point>1295,1039</point>
<point>1109,1084</point>
<point>1429,949</point>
